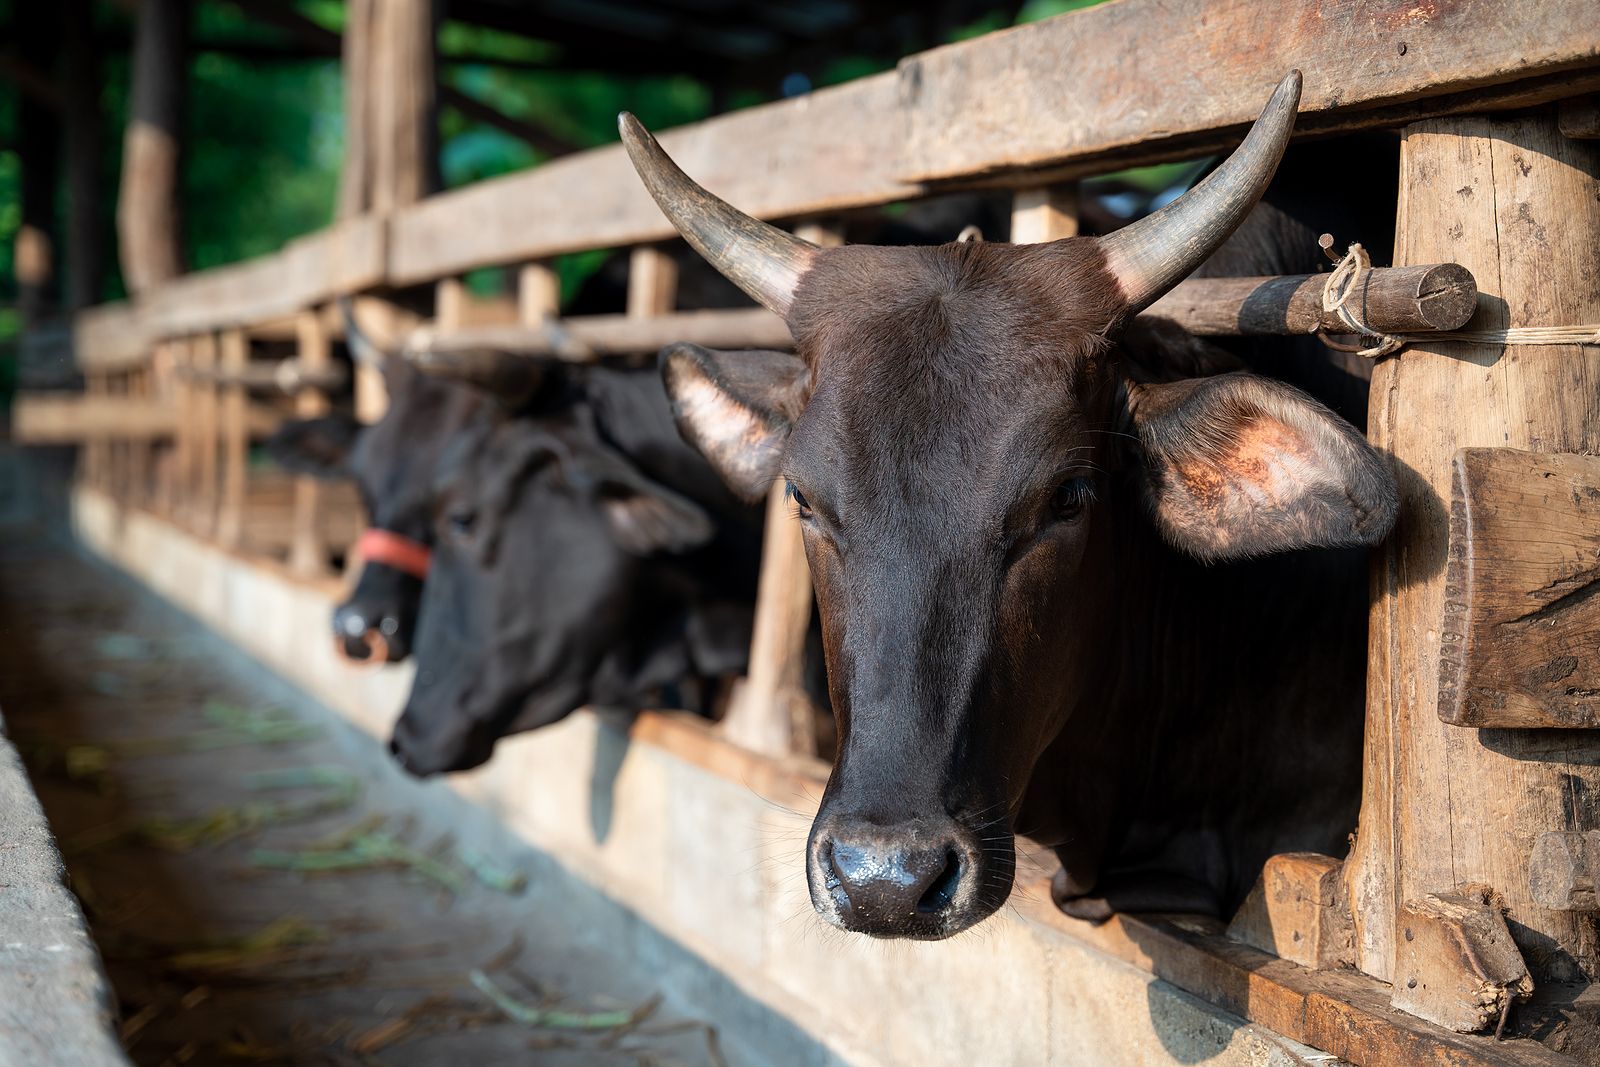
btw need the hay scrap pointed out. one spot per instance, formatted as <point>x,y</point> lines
<point>543,1018</point>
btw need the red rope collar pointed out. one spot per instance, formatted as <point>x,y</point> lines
<point>392,550</point>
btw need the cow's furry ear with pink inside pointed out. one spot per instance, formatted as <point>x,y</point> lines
<point>736,408</point>
<point>1237,465</point>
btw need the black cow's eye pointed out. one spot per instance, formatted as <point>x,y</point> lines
<point>1072,498</point>
<point>801,504</point>
<point>461,522</point>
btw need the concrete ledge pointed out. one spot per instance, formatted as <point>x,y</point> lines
<point>703,841</point>
<point>56,1006</point>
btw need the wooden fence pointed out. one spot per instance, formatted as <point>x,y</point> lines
<point>1485,182</point>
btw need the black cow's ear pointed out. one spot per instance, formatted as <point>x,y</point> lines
<point>647,518</point>
<point>1238,465</point>
<point>319,447</point>
<point>736,408</point>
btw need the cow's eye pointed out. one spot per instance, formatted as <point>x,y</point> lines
<point>1072,498</point>
<point>801,505</point>
<point>462,522</point>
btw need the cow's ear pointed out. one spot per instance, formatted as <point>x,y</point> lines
<point>1238,465</point>
<point>736,408</point>
<point>646,518</point>
<point>319,447</point>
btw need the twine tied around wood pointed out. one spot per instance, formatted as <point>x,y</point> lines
<point>1345,281</point>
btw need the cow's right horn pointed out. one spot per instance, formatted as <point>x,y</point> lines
<point>1152,255</point>
<point>759,258</point>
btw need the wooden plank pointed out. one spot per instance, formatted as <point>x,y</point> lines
<point>1297,912</point>
<point>236,443</point>
<point>207,435</point>
<point>308,548</point>
<point>1342,1013</point>
<point>652,282</point>
<point>346,257</point>
<point>1044,213</point>
<point>1517,204</point>
<point>538,293</point>
<point>108,336</point>
<point>1457,965</point>
<point>828,150</point>
<point>1417,299</point>
<point>1520,641</point>
<point>1580,117</point>
<point>1134,80</point>
<point>619,335</point>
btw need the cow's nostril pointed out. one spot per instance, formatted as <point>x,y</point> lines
<point>942,892</point>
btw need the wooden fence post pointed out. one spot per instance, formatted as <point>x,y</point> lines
<point>652,282</point>
<point>538,293</point>
<point>207,434</point>
<point>140,492</point>
<point>771,712</point>
<point>235,440</point>
<point>1044,213</point>
<point>1447,807</point>
<point>308,550</point>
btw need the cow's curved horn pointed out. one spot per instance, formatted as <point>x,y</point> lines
<point>363,349</point>
<point>1154,254</point>
<point>511,377</point>
<point>759,258</point>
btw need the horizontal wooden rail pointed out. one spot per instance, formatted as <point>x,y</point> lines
<point>68,418</point>
<point>1109,86</point>
<point>284,376</point>
<point>1439,296</point>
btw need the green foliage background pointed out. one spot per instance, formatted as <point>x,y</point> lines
<point>266,134</point>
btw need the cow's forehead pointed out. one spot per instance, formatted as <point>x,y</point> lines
<point>939,366</point>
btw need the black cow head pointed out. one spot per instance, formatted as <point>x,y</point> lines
<point>966,444</point>
<point>542,597</point>
<point>392,462</point>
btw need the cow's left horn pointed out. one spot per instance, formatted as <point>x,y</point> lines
<point>510,377</point>
<point>759,258</point>
<point>1154,254</point>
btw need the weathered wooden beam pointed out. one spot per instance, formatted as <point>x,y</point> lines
<point>1457,966</point>
<point>1069,81</point>
<point>149,220</point>
<point>1426,298</point>
<point>308,551</point>
<point>1520,641</point>
<point>235,437</point>
<point>1562,870</point>
<point>1044,213</point>
<point>1392,299</point>
<point>1297,911</point>
<point>1517,204</point>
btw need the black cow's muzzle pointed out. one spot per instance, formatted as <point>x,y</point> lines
<point>369,638</point>
<point>926,879</point>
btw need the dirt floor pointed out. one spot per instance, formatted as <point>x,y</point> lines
<point>258,899</point>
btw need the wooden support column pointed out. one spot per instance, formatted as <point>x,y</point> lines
<point>149,223</point>
<point>652,282</point>
<point>538,293</point>
<point>235,441</point>
<point>184,453</point>
<point>207,436</point>
<point>1449,807</point>
<point>308,549</point>
<point>165,387</point>
<point>140,490</point>
<point>401,104</point>
<point>450,303</point>
<point>1047,213</point>
<point>91,456</point>
<point>771,712</point>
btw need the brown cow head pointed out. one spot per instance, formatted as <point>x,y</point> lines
<point>964,438</point>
